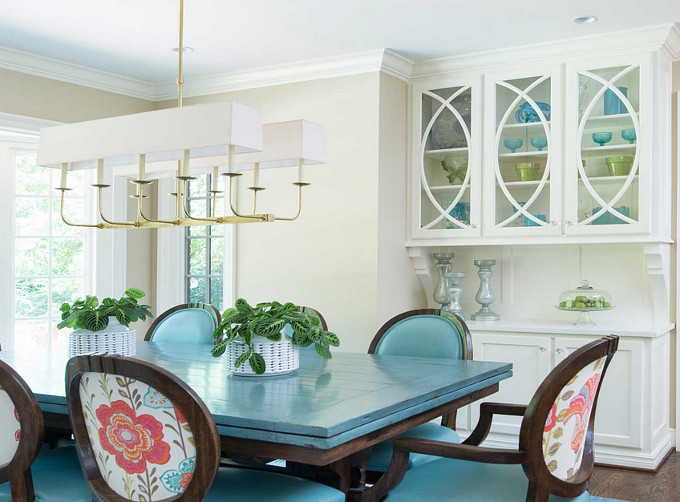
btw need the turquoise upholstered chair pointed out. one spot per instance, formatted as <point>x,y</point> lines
<point>421,333</point>
<point>186,323</point>
<point>554,460</point>
<point>143,434</point>
<point>28,473</point>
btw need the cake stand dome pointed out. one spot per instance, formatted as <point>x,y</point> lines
<point>585,299</point>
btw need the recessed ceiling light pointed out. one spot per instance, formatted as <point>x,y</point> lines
<point>186,49</point>
<point>584,20</point>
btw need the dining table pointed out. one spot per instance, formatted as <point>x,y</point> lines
<point>326,415</point>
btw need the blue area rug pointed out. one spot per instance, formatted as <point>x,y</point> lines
<point>600,499</point>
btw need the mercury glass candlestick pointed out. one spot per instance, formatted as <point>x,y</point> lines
<point>443,266</point>
<point>455,292</point>
<point>485,296</point>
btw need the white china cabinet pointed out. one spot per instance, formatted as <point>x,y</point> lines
<point>577,150</point>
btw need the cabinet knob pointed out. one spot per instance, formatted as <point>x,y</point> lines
<point>553,223</point>
<point>559,351</point>
<point>542,350</point>
<point>474,225</point>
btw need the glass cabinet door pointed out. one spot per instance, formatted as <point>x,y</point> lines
<point>447,200</point>
<point>524,145</point>
<point>607,169</point>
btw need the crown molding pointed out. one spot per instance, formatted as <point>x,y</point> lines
<point>643,39</point>
<point>311,69</point>
<point>663,37</point>
<point>55,69</point>
<point>18,131</point>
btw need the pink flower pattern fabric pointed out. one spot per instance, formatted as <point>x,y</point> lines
<point>10,428</point>
<point>144,448</point>
<point>568,420</point>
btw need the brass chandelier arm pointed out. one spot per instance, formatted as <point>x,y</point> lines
<point>140,212</point>
<point>187,213</point>
<point>101,213</point>
<point>300,185</point>
<point>261,217</point>
<point>63,218</point>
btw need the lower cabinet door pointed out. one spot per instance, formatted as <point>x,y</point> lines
<point>618,420</point>
<point>531,360</point>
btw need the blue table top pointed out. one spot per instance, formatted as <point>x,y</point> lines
<point>322,404</point>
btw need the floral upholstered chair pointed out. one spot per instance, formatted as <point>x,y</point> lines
<point>143,435</point>
<point>554,460</point>
<point>186,323</point>
<point>420,333</point>
<point>54,476</point>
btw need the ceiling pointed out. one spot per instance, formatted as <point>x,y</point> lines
<point>134,38</point>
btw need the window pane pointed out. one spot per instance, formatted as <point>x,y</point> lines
<point>198,290</point>
<point>217,256</point>
<point>30,297</point>
<point>198,186</point>
<point>32,216</point>
<point>198,208</point>
<point>59,336</point>
<point>197,256</point>
<point>65,290</point>
<point>217,229</point>
<point>77,180</point>
<point>216,292</point>
<point>30,257</point>
<point>197,230</point>
<point>31,179</point>
<point>30,334</point>
<point>67,257</point>
<point>74,211</point>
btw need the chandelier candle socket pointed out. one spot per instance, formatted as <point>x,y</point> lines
<point>222,138</point>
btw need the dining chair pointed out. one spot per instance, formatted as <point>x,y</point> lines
<point>26,471</point>
<point>420,333</point>
<point>186,323</point>
<point>143,434</point>
<point>554,460</point>
<point>315,313</point>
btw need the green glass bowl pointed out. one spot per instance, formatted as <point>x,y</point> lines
<point>619,165</point>
<point>527,171</point>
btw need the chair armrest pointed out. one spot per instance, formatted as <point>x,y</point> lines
<point>486,413</point>
<point>405,445</point>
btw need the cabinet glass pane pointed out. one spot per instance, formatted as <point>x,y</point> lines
<point>608,167</point>
<point>522,145</point>
<point>445,142</point>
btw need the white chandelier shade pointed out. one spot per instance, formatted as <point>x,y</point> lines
<point>163,136</point>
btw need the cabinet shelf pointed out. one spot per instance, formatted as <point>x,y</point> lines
<point>608,179</point>
<point>444,188</point>
<point>543,153</point>
<point>443,153</point>
<point>521,184</point>
<point>525,125</point>
<point>608,149</point>
<point>613,121</point>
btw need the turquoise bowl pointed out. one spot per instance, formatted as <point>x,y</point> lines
<point>513,144</point>
<point>629,135</point>
<point>539,143</point>
<point>602,137</point>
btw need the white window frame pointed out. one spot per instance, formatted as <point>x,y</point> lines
<point>105,265</point>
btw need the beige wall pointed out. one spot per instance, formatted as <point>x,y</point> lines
<point>43,98</point>
<point>345,255</point>
<point>674,231</point>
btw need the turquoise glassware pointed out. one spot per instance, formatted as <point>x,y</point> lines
<point>513,144</point>
<point>602,137</point>
<point>629,135</point>
<point>612,104</point>
<point>527,113</point>
<point>539,143</point>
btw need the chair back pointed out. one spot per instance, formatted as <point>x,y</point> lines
<point>21,432</point>
<point>557,429</point>
<point>141,433</point>
<point>186,323</point>
<point>424,333</point>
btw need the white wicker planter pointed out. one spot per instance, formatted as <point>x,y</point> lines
<point>279,357</point>
<point>115,339</point>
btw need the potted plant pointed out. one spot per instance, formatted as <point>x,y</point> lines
<point>104,327</point>
<point>266,339</point>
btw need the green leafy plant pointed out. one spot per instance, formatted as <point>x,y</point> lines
<point>242,322</point>
<point>94,316</point>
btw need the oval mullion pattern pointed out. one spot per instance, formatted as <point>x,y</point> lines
<point>444,213</point>
<point>607,206</point>
<point>523,210</point>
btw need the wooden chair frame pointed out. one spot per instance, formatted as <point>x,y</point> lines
<point>541,482</point>
<point>18,470</point>
<point>316,313</point>
<point>205,306</point>
<point>195,412</point>
<point>448,420</point>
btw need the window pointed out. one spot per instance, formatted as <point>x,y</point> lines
<point>50,258</point>
<point>204,248</point>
